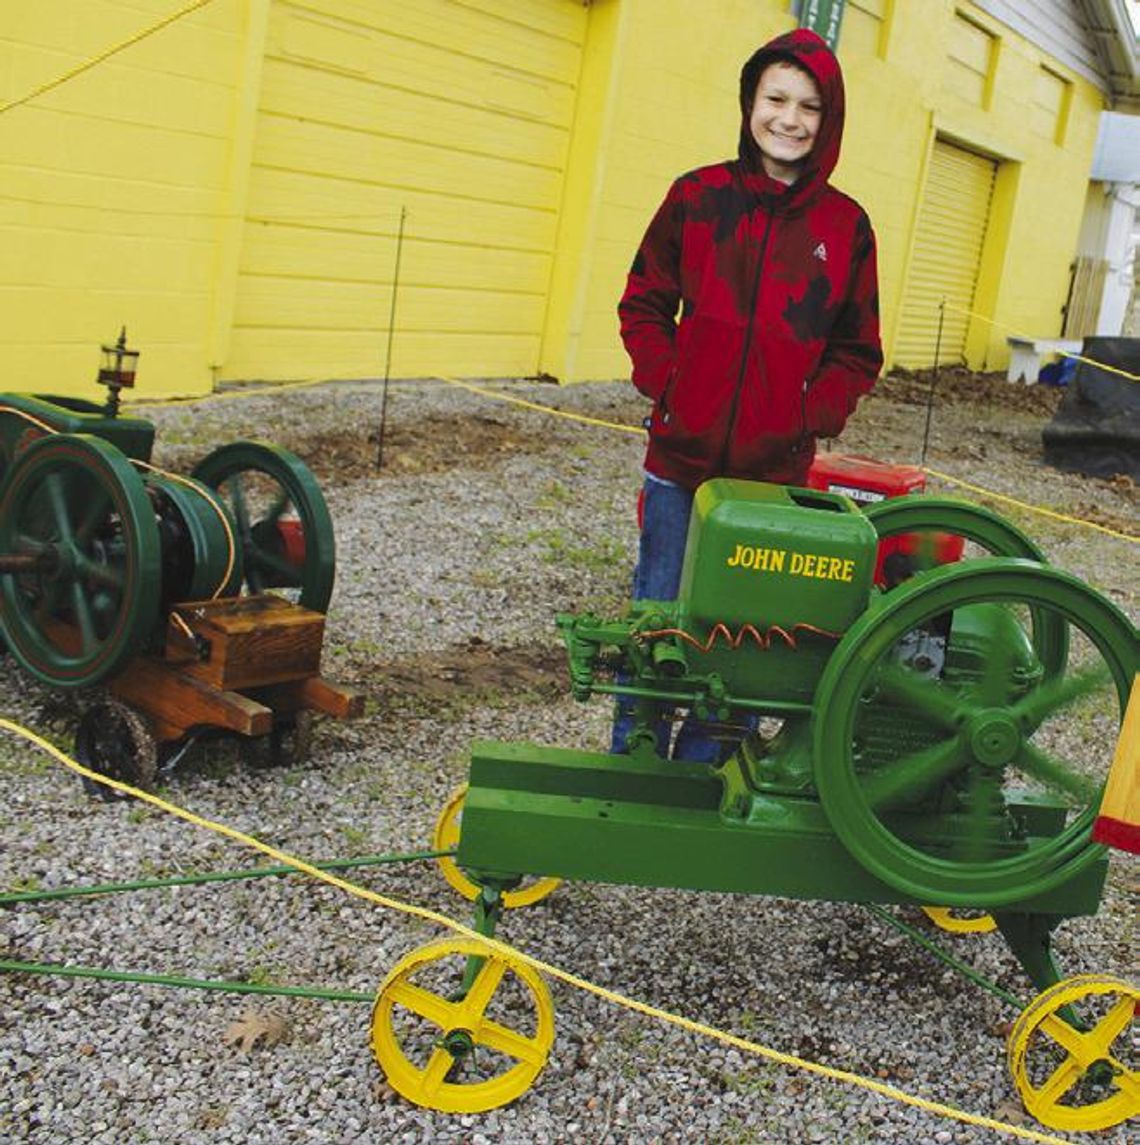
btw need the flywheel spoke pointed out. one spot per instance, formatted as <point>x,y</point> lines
<point>914,774</point>
<point>1113,1024</point>
<point>928,698</point>
<point>980,809</point>
<point>993,689</point>
<point>61,514</point>
<point>277,509</point>
<point>1059,1082</point>
<point>435,1072</point>
<point>83,617</point>
<point>93,516</point>
<point>96,572</point>
<point>1059,693</point>
<point>1076,1043</point>
<point>241,510</point>
<point>27,545</point>
<point>1056,774</point>
<point>269,562</point>
<point>442,1013</point>
<point>496,1036</point>
<point>487,981</point>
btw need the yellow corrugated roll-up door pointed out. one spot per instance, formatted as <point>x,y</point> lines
<point>947,253</point>
<point>457,115</point>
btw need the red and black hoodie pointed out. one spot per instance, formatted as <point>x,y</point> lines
<point>778,334</point>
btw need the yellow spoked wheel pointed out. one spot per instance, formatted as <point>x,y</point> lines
<point>462,1054</point>
<point>446,838</point>
<point>958,922</point>
<point>1078,1079</point>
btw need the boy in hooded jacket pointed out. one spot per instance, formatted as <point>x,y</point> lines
<point>773,273</point>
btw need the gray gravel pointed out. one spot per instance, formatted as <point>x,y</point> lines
<point>437,562</point>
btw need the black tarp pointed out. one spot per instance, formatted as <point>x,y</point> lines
<point>1096,429</point>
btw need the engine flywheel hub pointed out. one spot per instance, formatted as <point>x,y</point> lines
<point>994,737</point>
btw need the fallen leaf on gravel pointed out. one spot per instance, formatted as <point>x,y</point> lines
<point>1012,1111</point>
<point>254,1026</point>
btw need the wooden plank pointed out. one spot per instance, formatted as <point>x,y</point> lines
<point>177,701</point>
<point>313,694</point>
<point>334,700</point>
<point>1118,823</point>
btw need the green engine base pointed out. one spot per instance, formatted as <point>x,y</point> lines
<point>646,821</point>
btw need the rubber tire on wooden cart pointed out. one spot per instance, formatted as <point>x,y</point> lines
<point>115,741</point>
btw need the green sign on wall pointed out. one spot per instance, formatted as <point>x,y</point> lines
<point>822,17</point>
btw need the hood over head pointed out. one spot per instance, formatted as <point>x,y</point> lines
<point>810,52</point>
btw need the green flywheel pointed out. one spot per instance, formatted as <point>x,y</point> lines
<point>84,601</point>
<point>284,528</point>
<point>1012,756</point>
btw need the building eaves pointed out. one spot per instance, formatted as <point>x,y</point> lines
<point>1111,28</point>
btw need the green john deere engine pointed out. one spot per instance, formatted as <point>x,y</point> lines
<point>773,577</point>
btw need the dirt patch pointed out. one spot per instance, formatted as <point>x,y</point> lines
<point>955,385</point>
<point>436,444</point>
<point>1098,515</point>
<point>474,672</point>
<point>429,446</point>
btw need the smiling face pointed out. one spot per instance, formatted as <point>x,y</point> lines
<point>786,114</point>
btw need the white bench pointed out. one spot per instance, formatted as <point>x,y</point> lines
<point>1025,355</point>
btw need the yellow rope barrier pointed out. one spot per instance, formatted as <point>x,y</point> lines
<point>266,391</point>
<point>87,65</point>
<point>991,495</point>
<point>540,408</point>
<point>1010,332</point>
<point>931,472</point>
<point>511,953</point>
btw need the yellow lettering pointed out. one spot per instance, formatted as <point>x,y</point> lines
<point>809,564</point>
<point>848,571</point>
<point>735,560</point>
<point>797,565</point>
<point>778,555</point>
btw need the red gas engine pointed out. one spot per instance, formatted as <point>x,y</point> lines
<point>865,481</point>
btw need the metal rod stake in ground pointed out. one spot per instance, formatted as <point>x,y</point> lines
<point>391,329</point>
<point>933,379</point>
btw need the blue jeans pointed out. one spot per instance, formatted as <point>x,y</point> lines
<point>661,553</point>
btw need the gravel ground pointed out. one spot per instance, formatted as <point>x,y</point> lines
<point>486,519</point>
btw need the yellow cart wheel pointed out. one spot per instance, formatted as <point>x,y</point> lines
<point>1078,1079</point>
<point>446,838</point>
<point>948,918</point>
<point>466,1055</point>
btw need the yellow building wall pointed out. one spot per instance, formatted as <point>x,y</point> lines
<point>901,103</point>
<point>230,188</point>
<point>672,74</point>
<point>113,188</point>
<point>456,117</point>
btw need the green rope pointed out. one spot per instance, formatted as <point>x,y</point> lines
<point>186,983</point>
<point>213,877</point>
<point>943,956</point>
